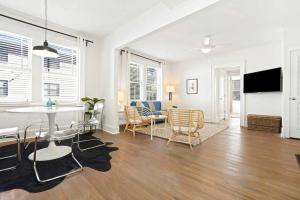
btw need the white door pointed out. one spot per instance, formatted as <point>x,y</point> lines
<point>295,95</point>
<point>221,96</point>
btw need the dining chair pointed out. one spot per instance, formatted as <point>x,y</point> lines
<point>11,133</point>
<point>185,122</point>
<point>137,118</point>
<point>39,129</point>
<point>68,134</point>
<point>94,121</point>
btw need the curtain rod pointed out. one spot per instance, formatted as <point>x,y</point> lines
<point>122,50</point>
<point>41,27</point>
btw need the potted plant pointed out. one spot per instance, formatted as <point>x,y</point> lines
<point>91,102</point>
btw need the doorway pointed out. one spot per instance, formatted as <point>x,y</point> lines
<point>228,93</point>
<point>235,99</point>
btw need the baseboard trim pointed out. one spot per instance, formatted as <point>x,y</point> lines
<point>111,129</point>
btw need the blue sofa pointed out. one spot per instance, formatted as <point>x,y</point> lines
<point>155,107</point>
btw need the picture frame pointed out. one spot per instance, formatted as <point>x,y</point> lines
<point>192,86</point>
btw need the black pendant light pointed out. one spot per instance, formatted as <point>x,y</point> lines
<point>44,50</point>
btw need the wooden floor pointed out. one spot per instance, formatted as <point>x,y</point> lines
<point>235,164</point>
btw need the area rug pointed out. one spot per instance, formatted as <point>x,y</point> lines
<point>209,130</point>
<point>24,178</point>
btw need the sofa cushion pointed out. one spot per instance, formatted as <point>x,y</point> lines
<point>156,113</point>
<point>157,105</point>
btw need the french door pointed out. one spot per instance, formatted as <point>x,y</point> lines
<point>295,95</point>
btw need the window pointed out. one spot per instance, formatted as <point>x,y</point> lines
<point>61,75</point>
<point>151,84</point>
<point>145,82</point>
<point>135,84</point>
<point>3,88</point>
<point>51,89</point>
<point>15,68</point>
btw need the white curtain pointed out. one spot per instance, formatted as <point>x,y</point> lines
<point>81,66</point>
<point>123,78</point>
<point>81,70</point>
<point>163,93</point>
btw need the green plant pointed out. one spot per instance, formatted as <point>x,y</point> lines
<point>91,102</point>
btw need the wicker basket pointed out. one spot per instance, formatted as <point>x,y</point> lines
<point>264,123</point>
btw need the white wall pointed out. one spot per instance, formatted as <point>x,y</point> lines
<point>255,59</point>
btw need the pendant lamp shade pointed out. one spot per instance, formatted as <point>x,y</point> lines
<point>44,50</point>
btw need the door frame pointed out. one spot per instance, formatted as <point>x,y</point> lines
<point>223,114</point>
<point>241,65</point>
<point>286,111</point>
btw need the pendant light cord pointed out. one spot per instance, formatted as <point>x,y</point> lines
<point>46,19</point>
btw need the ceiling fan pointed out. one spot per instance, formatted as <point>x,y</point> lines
<point>207,46</point>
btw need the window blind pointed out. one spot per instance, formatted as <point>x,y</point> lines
<point>135,81</point>
<point>15,68</point>
<point>152,84</point>
<point>61,75</point>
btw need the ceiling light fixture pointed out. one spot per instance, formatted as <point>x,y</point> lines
<point>207,46</point>
<point>206,49</point>
<point>44,50</point>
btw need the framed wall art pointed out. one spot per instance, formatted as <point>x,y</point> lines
<point>192,86</point>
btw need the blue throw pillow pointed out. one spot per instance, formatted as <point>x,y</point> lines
<point>145,103</point>
<point>133,103</point>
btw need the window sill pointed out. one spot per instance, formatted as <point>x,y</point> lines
<point>19,104</point>
<point>28,104</point>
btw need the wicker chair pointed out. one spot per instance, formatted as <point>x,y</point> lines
<point>185,122</point>
<point>137,118</point>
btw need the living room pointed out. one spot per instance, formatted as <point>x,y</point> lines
<point>177,47</point>
<point>149,99</point>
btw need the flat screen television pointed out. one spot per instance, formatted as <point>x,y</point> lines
<point>263,81</point>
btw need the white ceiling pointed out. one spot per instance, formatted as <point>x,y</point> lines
<point>95,17</point>
<point>232,25</point>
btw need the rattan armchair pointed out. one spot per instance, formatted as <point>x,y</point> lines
<point>185,122</point>
<point>136,118</point>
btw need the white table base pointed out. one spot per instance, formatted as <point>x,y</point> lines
<point>52,152</point>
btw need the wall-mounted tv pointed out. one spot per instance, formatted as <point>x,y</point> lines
<point>263,81</point>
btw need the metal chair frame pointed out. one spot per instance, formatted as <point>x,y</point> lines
<point>82,125</point>
<point>17,155</point>
<point>62,175</point>
<point>30,126</point>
